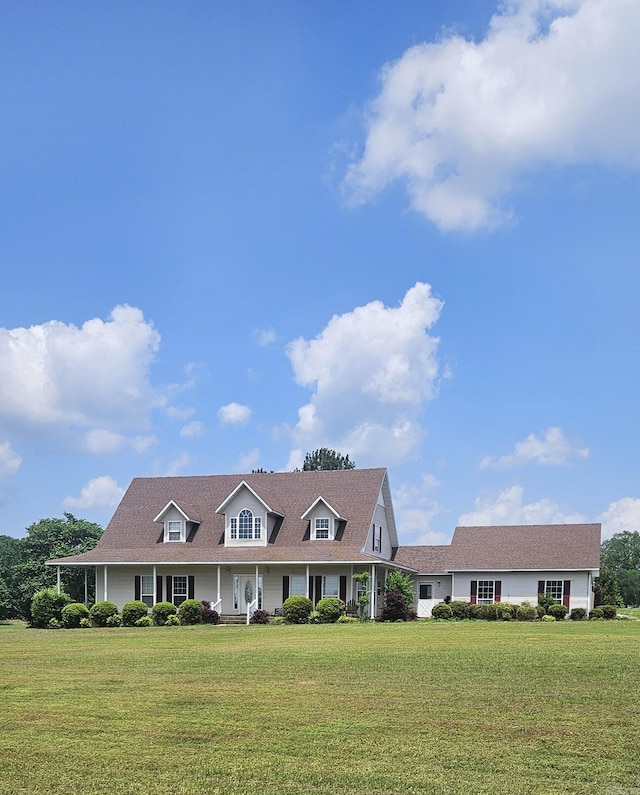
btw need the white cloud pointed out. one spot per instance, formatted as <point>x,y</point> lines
<point>415,509</point>
<point>192,429</point>
<point>177,465</point>
<point>234,414</point>
<point>102,492</point>
<point>553,449</point>
<point>249,460</point>
<point>9,460</point>
<point>264,336</point>
<point>180,413</point>
<point>57,374</point>
<point>371,370</point>
<point>553,82</point>
<point>99,441</point>
<point>621,515</point>
<point>508,508</point>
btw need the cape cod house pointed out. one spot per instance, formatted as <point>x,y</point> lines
<point>245,542</point>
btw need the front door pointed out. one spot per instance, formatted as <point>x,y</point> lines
<point>244,592</point>
<point>426,599</point>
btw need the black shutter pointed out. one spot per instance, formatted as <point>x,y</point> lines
<point>566,593</point>
<point>540,587</point>
<point>311,588</point>
<point>191,586</point>
<point>159,588</point>
<point>318,594</point>
<point>285,587</point>
<point>497,590</point>
<point>474,592</point>
<point>169,588</point>
<point>136,588</point>
<point>343,587</point>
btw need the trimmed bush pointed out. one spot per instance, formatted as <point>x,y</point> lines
<point>73,613</point>
<point>330,609</point>
<point>490,612</point>
<point>190,612</point>
<point>609,611</point>
<point>596,613</point>
<point>172,620</point>
<point>208,615</point>
<point>504,611</point>
<point>548,617</point>
<point>526,612</point>
<point>46,605</point>
<point>475,611</point>
<point>347,620</point>
<point>161,611</point>
<point>85,623</point>
<point>132,611</point>
<point>578,614</point>
<point>459,610</point>
<point>280,620</point>
<point>259,617</point>
<point>145,621</point>
<point>559,612</point>
<point>296,609</point>
<point>114,620</point>
<point>100,612</point>
<point>541,610</point>
<point>395,606</point>
<point>442,611</point>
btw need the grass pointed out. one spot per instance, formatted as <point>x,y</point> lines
<point>428,707</point>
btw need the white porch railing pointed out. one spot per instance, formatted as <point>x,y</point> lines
<point>217,606</point>
<point>251,607</point>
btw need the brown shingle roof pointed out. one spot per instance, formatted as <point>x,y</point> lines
<point>133,536</point>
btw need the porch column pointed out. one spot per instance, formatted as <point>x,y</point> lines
<point>58,577</point>
<point>105,583</point>
<point>257,587</point>
<point>155,585</point>
<point>218,588</point>
<point>86,585</point>
<point>307,581</point>
<point>374,591</point>
<point>350,590</point>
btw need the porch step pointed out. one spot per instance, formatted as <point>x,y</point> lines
<point>232,618</point>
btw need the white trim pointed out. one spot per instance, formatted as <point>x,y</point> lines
<point>173,504</point>
<point>223,505</point>
<point>322,499</point>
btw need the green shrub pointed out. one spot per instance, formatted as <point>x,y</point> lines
<point>145,621</point>
<point>54,624</point>
<point>548,617</point>
<point>526,612</point>
<point>578,614</point>
<point>504,611</point>
<point>490,612</point>
<point>475,611</point>
<point>208,616</point>
<point>347,620</point>
<point>172,620</point>
<point>73,613</point>
<point>280,620</point>
<point>259,617</point>
<point>161,611</point>
<point>132,611</point>
<point>190,612</point>
<point>557,611</point>
<point>541,610</point>
<point>330,609</point>
<point>85,623</point>
<point>442,611</point>
<point>314,617</point>
<point>100,612</point>
<point>609,611</point>
<point>296,609</point>
<point>47,604</point>
<point>459,610</point>
<point>114,620</point>
<point>596,613</point>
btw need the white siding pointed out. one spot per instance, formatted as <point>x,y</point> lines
<point>245,499</point>
<point>518,587</point>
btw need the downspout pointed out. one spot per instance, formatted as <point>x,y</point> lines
<point>307,582</point>
<point>105,583</point>
<point>86,585</point>
<point>257,588</point>
<point>155,585</point>
<point>58,577</point>
<point>218,589</point>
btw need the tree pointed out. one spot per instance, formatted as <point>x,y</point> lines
<point>399,596</point>
<point>323,458</point>
<point>606,590</point>
<point>10,557</point>
<point>6,608</point>
<point>619,570</point>
<point>621,551</point>
<point>46,540</point>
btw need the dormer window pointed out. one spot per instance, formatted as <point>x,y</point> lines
<point>321,528</point>
<point>245,526</point>
<point>174,531</point>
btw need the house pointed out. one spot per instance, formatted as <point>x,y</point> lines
<point>246,542</point>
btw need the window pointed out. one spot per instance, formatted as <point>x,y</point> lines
<point>330,585</point>
<point>426,590</point>
<point>321,527</point>
<point>377,538</point>
<point>554,588</point>
<point>179,590</point>
<point>245,526</point>
<point>297,585</point>
<point>485,592</point>
<point>146,590</point>
<point>174,531</point>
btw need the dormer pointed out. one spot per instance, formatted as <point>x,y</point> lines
<point>177,522</point>
<point>323,520</point>
<point>248,517</point>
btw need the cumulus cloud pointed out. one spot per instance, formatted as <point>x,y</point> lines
<point>99,441</point>
<point>96,375</point>
<point>415,508</point>
<point>9,460</point>
<point>621,515</point>
<point>234,414</point>
<point>177,465</point>
<point>192,429</point>
<point>552,449</point>
<point>508,508</point>
<point>371,371</point>
<point>458,122</point>
<point>102,492</point>
<point>249,460</point>
<point>264,336</point>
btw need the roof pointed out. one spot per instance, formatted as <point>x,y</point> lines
<point>510,548</point>
<point>132,536</point>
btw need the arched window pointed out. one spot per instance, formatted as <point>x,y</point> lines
<point>246,526</point>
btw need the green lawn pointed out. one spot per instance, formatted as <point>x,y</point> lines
<point>428,707</point>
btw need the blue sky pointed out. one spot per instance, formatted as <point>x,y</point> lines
<point>235,232</point>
